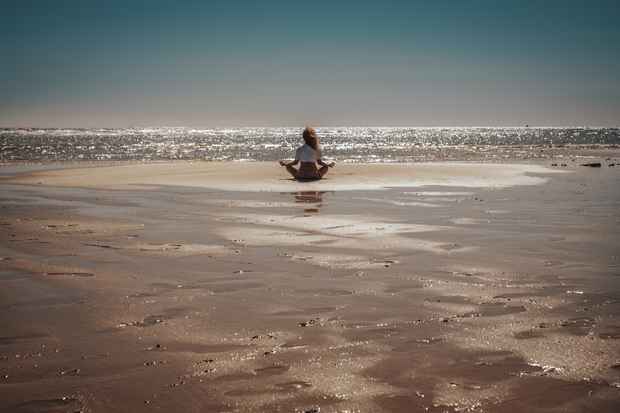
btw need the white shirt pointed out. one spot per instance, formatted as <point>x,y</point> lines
<point>306,153</point>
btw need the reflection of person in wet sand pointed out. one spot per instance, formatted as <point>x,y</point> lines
<point>309,155</point>
<point>314,198</point>
<point>309,197</point>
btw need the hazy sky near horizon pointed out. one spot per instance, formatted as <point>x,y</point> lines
<point>269,63</point>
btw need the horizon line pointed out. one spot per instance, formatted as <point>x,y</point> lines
<point>527,126</point>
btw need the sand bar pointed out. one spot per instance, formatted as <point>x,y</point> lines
<point>268,176</point>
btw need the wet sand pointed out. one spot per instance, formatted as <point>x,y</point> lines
<point>223,287</point>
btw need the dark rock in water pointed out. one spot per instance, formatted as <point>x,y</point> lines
<point>153,363</point>
<point>150,321</point>
<point>311,322</point>
<point>147,322</point>
<point>73,372</point>
<point>592,164</point>
<point>431,340</point>
<point>316,409</point>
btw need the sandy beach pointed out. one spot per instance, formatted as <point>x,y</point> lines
<point>229,287</point>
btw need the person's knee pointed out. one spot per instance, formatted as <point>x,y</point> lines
<point>292,170</point>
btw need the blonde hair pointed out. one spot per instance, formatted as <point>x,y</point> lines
<point>310,138</point>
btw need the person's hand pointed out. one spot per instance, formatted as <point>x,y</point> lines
<point>331,164</point>
<point>282,163</point>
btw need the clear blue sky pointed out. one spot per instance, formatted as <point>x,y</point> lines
<point>271,63</point>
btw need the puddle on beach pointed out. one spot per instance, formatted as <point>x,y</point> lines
<point>336,232</point>
<point>60,405</point>
<point>21,338</point>
<point>496,310</point>
<point>13,275</point>
<point>271,370</point>
<point>198,348</point>
<point>528,334</point>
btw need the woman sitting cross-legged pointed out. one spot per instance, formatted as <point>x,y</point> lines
<point>308,155</point>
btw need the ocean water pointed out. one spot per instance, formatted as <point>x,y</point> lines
<point>349,144</point>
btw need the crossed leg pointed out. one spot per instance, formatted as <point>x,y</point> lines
<point>295,172</point>
<point>323,171</point>
<point>292,170</point>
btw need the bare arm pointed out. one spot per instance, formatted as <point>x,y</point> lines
<point>320,162</point>
<point>291,163</point>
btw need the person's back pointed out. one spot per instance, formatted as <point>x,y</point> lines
<point>308,155</point>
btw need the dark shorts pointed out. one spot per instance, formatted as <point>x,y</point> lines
<point>308,172</point>
<point>307,179</point>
